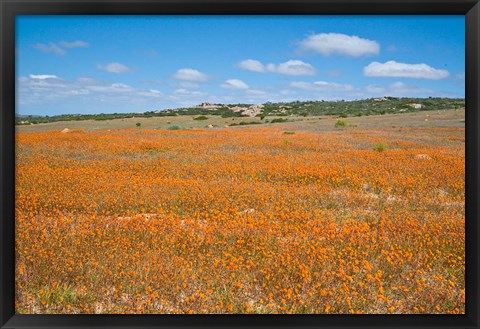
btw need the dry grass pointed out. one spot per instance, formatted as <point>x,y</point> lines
<point>443,118</point>
<point>240,221</point>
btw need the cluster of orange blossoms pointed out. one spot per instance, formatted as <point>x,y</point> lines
<point>240,221</point>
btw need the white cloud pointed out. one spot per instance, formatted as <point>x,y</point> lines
<point>398,89</point>
<point>50,48</point>
<point>86,80</point>
<point>190,75</point>
<point>339,44</point>
<point>58,50</point>
<point>290,67</point>
<point>234,84</point>
<point>295,67</point>
<point>114,68</point>
<point>150,93</point>
<point>251,65</point>
<point>321,86</point>
<point>74,44</point>
<point>112,88</point>
<point>401,70</point>
<point>43,76</point>
<point>42,89</point>
<point>185,92</point>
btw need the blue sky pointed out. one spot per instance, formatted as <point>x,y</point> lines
<point>106,64</point>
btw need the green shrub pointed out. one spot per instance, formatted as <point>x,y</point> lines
<point>379,147</point>
<point>341,123</point>
<point>138,124</point>
<point>279,120</point>
<point>245,123</point>
<point>174,127</point>
<point>202,117</point>
<point>288,132</point>
<point>344,115</point>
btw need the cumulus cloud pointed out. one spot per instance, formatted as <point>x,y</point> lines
<point>112,88</point>
<point>295,67</point>
<point>290,67</point>
<point>339,44</point>
<point>186,92</point>
<point>45,88</point>
<point>393,69</point>
<point>74,44</point>
<point>114,68</point>
<point>43,76</point>
<point>190,75</point>
<point>57,49</point>
<point>50,48</point>
<point>321,86</point>
<point>398,89</point>
<point>252,65</point>
<point>234,84</point>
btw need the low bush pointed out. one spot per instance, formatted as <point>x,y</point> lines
<point>341,123</point>
<point>279,120</point>
<point>379,147</point>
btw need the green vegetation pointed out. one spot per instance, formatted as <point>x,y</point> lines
<point>341,123</point>
<point>58,294</point>
<point>279,120</point>
<point>138,124</point>
<point>245,123</point>
<point>342,109</point>
<point>379,147</point>
<point>288,132</point>
<point>174,127</point>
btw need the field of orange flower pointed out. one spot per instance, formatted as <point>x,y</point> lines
<point>241,221</point>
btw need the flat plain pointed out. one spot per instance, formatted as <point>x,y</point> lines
<point>306,216</point>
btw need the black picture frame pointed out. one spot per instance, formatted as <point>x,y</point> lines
<point>10,8</point>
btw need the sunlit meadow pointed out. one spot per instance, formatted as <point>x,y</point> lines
<point>241,220</point>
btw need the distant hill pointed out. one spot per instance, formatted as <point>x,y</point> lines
<point>371,106</point>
